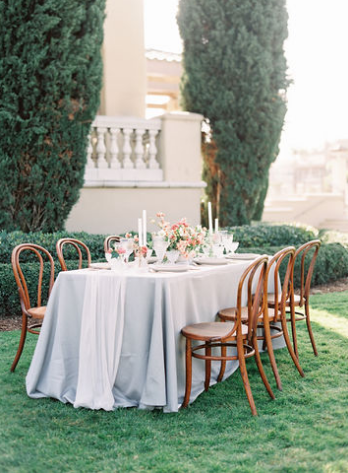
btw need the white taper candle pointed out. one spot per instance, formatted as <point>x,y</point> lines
<point>216,225</point>
<point>210,218</point>
<point>144,228</point>
<point>140,230</point>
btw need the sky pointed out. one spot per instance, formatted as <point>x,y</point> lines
<point>316,51</point>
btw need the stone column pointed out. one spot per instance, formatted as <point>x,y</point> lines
<point>180,147</point>
<point>124,80</point>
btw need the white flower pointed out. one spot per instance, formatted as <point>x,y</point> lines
<point>162,233</point>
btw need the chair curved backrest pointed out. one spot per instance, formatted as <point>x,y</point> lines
<point>39,251</point>
<point>109,240</point>
<point>30,311</point>
<point>78,246</point>
<point>304,252</point>
<point>255,278</point>
<point>282,259</point>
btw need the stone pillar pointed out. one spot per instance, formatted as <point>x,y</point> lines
<point>180,147</point>
<point>124,80</point>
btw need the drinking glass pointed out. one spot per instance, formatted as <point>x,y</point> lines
<point>128,245</point>
<point>160,246</point>
<point>234,246</point>
<point>172,256</point>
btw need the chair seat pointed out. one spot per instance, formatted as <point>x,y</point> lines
<point>209,330</point>
<point>230,314</point>
<point>270,299</point>
<point>271,315</point>
<point>37,312</point>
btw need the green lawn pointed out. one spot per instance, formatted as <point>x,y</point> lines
<point>304,430</point>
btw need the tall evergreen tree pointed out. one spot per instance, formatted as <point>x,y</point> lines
<point>50,81</point>
<point>235,75</point>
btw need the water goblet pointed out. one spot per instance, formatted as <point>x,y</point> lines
<point>218,251</point>
<point>172,256</point>
<point>128,245</point>
<point>234,246</point>
<point>160,246</point>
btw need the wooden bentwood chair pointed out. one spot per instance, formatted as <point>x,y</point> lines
<point>36,313</point>
<point>235,334</point>
<point>273,320</point>
<point>109,240</point>
<point>299,303</point>
<point>79,246</point>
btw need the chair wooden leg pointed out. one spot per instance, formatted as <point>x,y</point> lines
<point>270,351</point>
<point>289,346</point>
<point>207,369</point>
<point>21,342</point>
<point>223,364</point>
<point>244,374</point>
<point>260,368</point>
<point>293,328</point>
<point>188,373</point>
<point>309,328</point>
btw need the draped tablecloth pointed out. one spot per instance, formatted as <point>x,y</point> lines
<point>112,339</point>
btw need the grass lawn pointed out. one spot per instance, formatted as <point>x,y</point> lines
<point>304,430</point>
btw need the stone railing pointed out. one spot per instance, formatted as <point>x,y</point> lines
<point>123,149</point>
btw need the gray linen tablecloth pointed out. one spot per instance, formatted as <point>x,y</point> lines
<point>112,339</point>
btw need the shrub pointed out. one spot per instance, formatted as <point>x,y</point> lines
<point>263,235</point>
<point>50,81</point>
<point>331,263</point>
<point>8,240</point>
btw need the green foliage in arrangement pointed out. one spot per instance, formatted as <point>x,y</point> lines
<point>235,75</point>
<point>50,82</point>
<point>305,429</point>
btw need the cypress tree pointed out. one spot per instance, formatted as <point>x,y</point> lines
<point>235,75</point>
<point>50,81</point>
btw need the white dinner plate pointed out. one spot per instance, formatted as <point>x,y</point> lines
<point>100,265</point>
<point>243,256</point>
<point>152,259</point>
<point>214,261</point>
<point>173,268</point>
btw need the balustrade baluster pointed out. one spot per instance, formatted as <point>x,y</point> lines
<point>114,162</point>
<point>90,162</point>
<point>101,148</point>
<point>139,149</point>
<point>127,149</point>
<point>153,163</point>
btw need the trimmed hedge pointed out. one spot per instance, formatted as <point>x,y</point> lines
<point>48,240</point>
<point>10,303</point>
<point>331,264</point>
<point>262,235</point>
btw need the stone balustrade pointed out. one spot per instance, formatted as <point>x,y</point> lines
<point>136,164</point>
<point>123,149</point>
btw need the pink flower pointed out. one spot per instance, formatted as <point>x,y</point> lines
<point>121,250</point>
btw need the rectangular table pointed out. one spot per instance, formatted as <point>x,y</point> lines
<point>112,339</point>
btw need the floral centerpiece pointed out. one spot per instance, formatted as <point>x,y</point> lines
<point>181,237</point>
